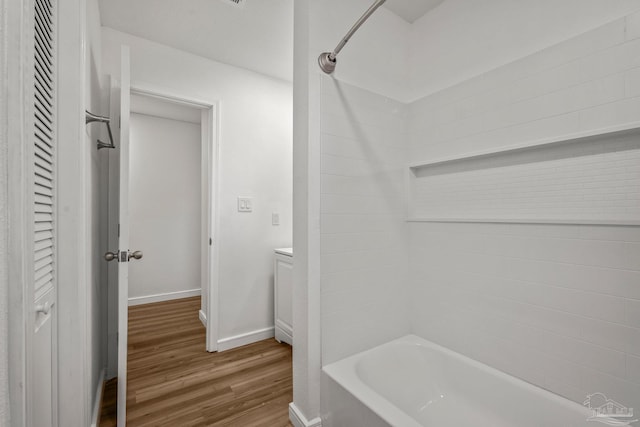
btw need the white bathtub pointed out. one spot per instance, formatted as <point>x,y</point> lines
<point>411,382</point>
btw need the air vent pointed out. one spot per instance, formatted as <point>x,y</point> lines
<point>236,3</point>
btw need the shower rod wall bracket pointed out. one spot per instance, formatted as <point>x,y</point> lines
<point>90,118</point>
<point>326,63</point>
<point>328,60</point>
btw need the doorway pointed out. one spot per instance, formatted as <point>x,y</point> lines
<point>151,121</point>
<point>165,200</point>
<point>162,104</point>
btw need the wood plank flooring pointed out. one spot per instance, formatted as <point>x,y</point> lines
<point>173,381</point>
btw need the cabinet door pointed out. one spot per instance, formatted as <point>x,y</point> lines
<point>283,298</point>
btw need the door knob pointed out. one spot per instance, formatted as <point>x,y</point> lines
<point>136,255</point>
<point>110,256</point>
<point>43,308</point>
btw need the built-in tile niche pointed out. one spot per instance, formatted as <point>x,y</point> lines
<point>584,179</point>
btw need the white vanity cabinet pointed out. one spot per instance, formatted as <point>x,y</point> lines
<point>283,293</point>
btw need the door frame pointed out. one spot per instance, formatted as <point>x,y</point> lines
<point>209,202</point>
<point>16,54</point>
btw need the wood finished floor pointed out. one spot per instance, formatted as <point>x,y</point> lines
<point>173,381</point>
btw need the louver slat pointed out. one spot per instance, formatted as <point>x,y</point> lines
<point>43,281</point>
<point>44,238</point>
<point>41,189</point>
<point>43,254</point>
<point>43,200</point>
<point>44,208</point>
<point>44,148</point>
<point>42,137</point>
<point>43,243</point>
<point>43,226</point>
<point>44,90</point>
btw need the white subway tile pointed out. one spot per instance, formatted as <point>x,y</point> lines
<point>565,124</point>
<point>345,166</point>
<point>608,115</point>
<point>362,205</point>
<point>374,133</point>
<point>633,341</point>
<point>633,313</point>
<point>586,354</point>
<point>633,369</point>
<point>586,304</point>
<point>376,277</point>
<point>335,223</point>
<point>633,26</point>
<point>343,95</point>
<point>632,54</point>
<point>633,83</point>
<point>358,260</point>
<point>387,154</point>
<point>337,243</point>
<point>623,234</point>
<point>606,334</point>
<point>603,37</point>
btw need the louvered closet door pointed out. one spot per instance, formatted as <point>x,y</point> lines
<point>43,354</point>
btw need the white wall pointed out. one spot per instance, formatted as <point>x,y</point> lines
<point>461,39</point>
<point>554,304</point>
<point>255,161</point>
<point>164,205</point>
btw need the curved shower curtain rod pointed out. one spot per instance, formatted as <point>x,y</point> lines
<point>327,60</point>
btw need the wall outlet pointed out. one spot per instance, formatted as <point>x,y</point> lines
<point>245,204</point>
<point>275,218</point>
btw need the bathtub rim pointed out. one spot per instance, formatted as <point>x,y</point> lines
<point>344,373</point>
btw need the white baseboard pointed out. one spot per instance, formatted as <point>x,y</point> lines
<point>203,318</point>
<point>244,339</point>
<point>298,419</point>
<point>163,297</point>
<point>95,422</point>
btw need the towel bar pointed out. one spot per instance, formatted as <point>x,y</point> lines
<point>90,118</point>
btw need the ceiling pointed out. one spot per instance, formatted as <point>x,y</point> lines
<point>411,10</point>
<point>257,35</point>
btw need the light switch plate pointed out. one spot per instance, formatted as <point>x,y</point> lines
<point>275,218</point>
<point>245,204</point>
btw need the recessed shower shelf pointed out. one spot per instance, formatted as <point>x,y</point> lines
<point>610,132</point>
<point>528,183</point>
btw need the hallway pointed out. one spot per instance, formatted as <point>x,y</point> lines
<point>174,382</point>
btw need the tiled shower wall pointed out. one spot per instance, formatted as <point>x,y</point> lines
<point>363,228</point>
<point>555,304</point>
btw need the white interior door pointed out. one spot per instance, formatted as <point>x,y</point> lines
<point>123,235</point>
